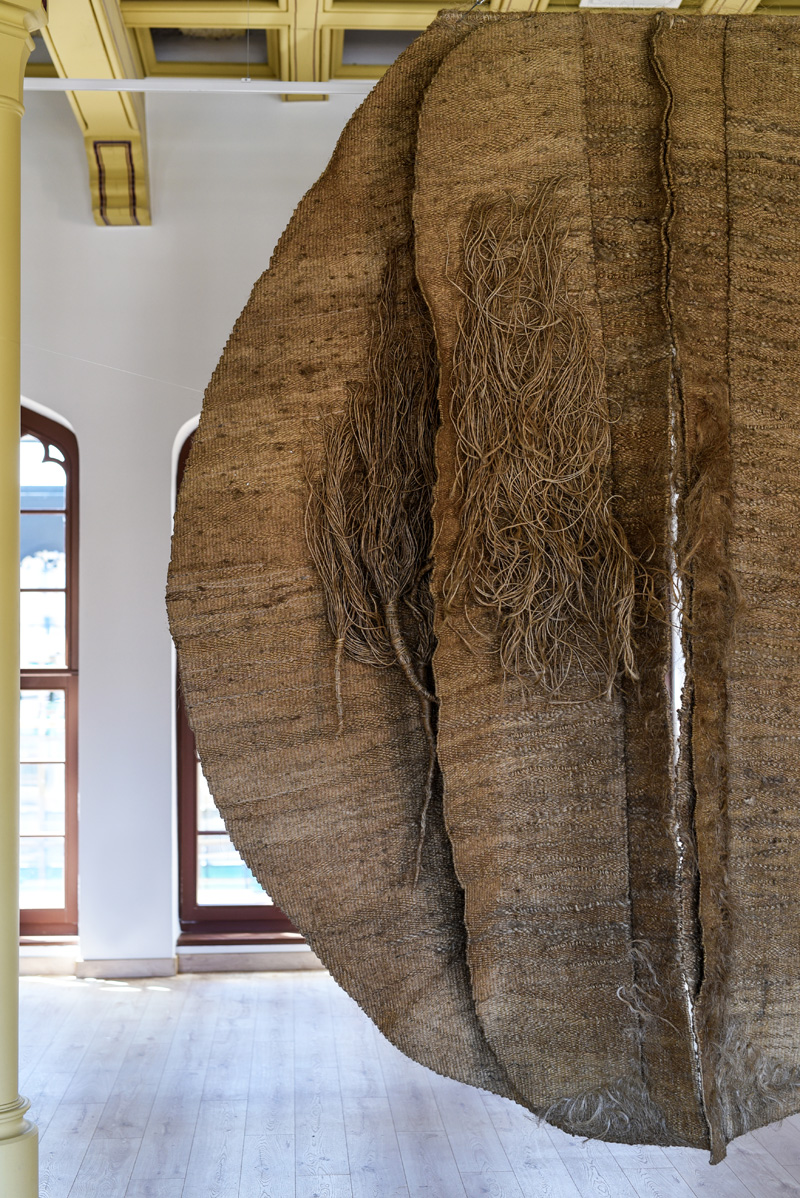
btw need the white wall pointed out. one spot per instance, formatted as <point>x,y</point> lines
<point>121,330</point>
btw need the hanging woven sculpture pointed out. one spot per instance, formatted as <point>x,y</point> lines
<point>517,398</point>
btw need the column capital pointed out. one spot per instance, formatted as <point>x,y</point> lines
<point>18,20</point>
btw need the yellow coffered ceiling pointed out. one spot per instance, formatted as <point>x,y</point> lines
<point>295,40</point>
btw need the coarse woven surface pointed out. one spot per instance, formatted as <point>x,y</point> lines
<point>331,820</point>
<point>535,793</point>
<point>625,108</point>
<point>602,235</point>
<point>734,278</point>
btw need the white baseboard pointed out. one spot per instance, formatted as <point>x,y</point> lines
<point>268,959</point>
<point>59,965</point>
<point>140,967</point>
<point>212,959</point>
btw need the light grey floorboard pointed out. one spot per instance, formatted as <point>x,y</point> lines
<point>376,1167</point>
<point>760,1171</point>
<point>66,1049</point>
<point>782,1141</point>
<point>650,1182</point>
<point>45,1006</point>
<point>320,1140</point>
<point>491,1185</point>
<point>165,1147</point>
<point>703,1179</point>
<point>472,1135</point>
<point>508,1115</point>
<point>106,1050</point>
<point>64,1145</point>
<point>194,1031</point>
<point>268,1166</point>
<point>228,1072</point>
<point>215,1162</point>
<point>45,1090</point>
<point>429,1164</point>
<point>330,1185</point>
<point>270,1100</point>
<point>105,1169</point>
<point>155,1189</point>
<point>127,1112</point>
<point>592,1166</point>
<point>169,1133</point>
<point>638,1156</point>
<point>537,1165</point>
<point>270,1096</point>
<point>146,1058</point>
<point>408,1087</point>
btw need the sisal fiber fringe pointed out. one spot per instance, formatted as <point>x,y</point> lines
<point>539,545</point>
<point>750,1088</point>
<point>623,1112</point>
<point>368,521</point>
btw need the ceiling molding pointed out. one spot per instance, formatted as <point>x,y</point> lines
<point>89,39</point>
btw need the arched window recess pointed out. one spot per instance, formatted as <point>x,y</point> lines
<point>220,901</point>
<point>48,678</point>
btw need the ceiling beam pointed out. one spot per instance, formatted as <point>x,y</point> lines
<point>88,39</point>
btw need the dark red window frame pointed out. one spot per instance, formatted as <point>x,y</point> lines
<point>257,924</point>
<point>61,921</point>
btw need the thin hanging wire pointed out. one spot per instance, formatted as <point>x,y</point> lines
<point>247,43</point>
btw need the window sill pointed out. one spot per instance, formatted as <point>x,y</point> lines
<point>245,939</point>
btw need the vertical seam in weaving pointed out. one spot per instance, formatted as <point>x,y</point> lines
<point>712,995</point>
<point>681,819</point>
<point>634,971</point>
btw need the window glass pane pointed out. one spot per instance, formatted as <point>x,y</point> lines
<point>42,735</point>
<point>42,557</point>
<point>375,47</point>
<point>41,799</point>
<point>43,632</point>
<point>42,484</point>
<point>208,818</point>
<point>223,879</point>
<point>225,45</point>
<point>41,871</point>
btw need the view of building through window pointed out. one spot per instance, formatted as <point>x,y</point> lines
<point>222,877</point>
<point>48,798</point>
<point>42,798</point>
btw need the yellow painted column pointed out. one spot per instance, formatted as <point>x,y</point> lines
<point>19,1167</point>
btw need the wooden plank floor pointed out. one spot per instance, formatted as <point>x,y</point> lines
<point>277,1086</point>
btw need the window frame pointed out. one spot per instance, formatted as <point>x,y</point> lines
<point>61,921</point>
<point>207,924</point>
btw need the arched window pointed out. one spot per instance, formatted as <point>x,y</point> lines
<point>220,900</point>
<point>48,677</point>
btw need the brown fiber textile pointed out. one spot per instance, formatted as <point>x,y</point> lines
<point>625,110</point>
<point>601,927</point>
<point>734,178</point>
<point>535,792</point>
<point>329,822</point>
